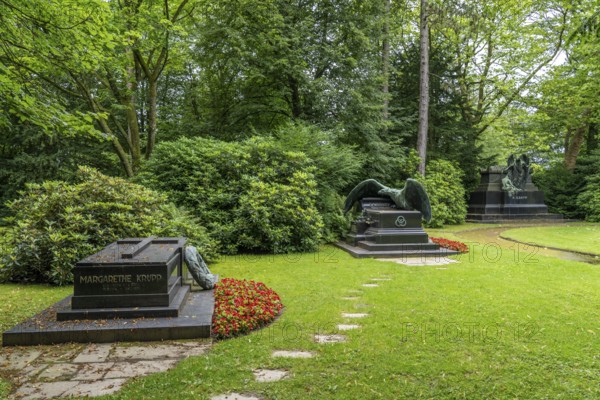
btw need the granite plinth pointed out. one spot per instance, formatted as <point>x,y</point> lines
<point>490,203</point>
<point>194,321</point>
<point>386,232</point>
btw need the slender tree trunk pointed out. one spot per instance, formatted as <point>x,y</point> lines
<point>424,89</point>
<point>295,97</point>
<point>385,58</point>
<point>152,99</point>
<point>571,152</point>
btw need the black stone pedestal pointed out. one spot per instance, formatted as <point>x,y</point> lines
<point>384,231</point>
<point>130,291</point>
<point>489,203</point>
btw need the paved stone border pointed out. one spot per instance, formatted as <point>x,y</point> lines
<point>46,372</point>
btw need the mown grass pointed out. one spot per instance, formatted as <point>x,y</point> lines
<point>486,327</point>
<point>582,237</point>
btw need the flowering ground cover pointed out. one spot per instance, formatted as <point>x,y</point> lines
<point>242,306</point>
<point>451,244</point>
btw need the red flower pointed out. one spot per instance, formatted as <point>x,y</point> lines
<point>451,244</point>
<point>242,306</point>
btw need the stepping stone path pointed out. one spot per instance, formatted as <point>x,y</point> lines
<point>354,315</point>
<point>270,375</point>
<point>46,372</point>
<point>347,327</point>
<point>420,261</point>
<point>292,354</point>
<point>235,396</point>
<point>330,338</point>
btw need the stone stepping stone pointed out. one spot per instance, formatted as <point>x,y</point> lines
<point>292,354</point>
<point>380,279</point>
<point>158,352</point>
<point>370,285</point>
<point>44,390</point>
<point>97,388</point>
<point>94,353</point>
<point>140,368</point>
<point>362,305</point>
<point>350,298</point>
<point>348,327</point>
<point>420,261</point>
<point>323,339</point>
<point>354,315</point>
<point>235,396</point>
<point>270,375</point>
<point>355,291</point>
<point>59,372</point>
<point>18,359</point>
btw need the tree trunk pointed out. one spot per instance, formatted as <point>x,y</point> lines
<point>571,152</point>
<point>385,58</point>
<point>295,97</point>
<point>152,95</point>
<point>424,89</point>
<point>592,139</point>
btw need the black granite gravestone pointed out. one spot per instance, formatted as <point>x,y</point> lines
<point>490,202</point>
<point>131,290</point>
<point>385,231</point>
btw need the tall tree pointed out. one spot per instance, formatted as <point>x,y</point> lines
<point>423,87</point>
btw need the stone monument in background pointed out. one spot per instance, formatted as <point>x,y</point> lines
<point>507,194</point>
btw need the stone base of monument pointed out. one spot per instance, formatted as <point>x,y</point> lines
<point>489,203</point>
<point>130,291</point>
<point>386,232</point>
<point>194,321</point>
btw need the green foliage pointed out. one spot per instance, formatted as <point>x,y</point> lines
<point>55,224</point>
<point>252,195</point>
<point>443,183</point>
<point>589,199</point>
<point>560,187</point>
<point>338,168</point>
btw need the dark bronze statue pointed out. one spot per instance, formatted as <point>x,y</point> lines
<point>412,197</point>
<point>517,174</point>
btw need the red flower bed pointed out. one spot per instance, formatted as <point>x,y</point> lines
<point>451,244</point>
<point>242,306</point>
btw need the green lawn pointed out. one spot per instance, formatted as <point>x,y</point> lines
<point>583,237</point>
<point>483,328</point>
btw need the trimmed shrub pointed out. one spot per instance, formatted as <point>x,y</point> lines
<point>561,188</point>
<point>443,182</point>
<point>55,224</point>
<point>589,199</point>
<point>252,196</point>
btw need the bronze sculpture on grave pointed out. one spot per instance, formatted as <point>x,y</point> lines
<point>517,173</point>
<point>411,197</point>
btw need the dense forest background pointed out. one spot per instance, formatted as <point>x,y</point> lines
<point>104,83</point>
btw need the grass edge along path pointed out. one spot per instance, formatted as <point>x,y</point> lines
<point>581,238</point>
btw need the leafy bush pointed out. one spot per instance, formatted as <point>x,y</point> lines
<point>561,188</point>
<point>55,224</point>
<point>443,182</point>
<point>589,199</point>
<point>251,195</point>
<point>337,169</point>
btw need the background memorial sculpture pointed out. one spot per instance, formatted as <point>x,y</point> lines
<point>198,268</point>
<point>412,197</point>
<point>517,174</point>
